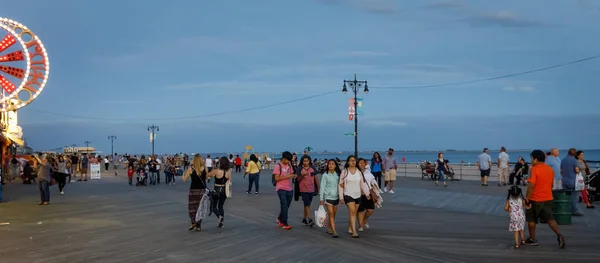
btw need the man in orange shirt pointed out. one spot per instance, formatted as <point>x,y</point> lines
<point>539,195</point>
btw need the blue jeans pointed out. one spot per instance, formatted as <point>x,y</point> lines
<point>152,177</point>
<point>574,198</point>
<point>441,176</point>
<point>285,200</point>
<point>44,191</point>
<point>253,178</point>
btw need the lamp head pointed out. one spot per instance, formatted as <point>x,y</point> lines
<point>345,90</point>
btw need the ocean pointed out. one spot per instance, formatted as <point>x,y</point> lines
<point>467,157</point>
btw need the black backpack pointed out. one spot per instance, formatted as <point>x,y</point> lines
<point>273,181</point>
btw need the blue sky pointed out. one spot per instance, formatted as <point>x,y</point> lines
<point>128,64</point>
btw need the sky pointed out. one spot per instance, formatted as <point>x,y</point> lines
<point>192,67</point>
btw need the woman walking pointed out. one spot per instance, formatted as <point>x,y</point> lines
<point>308,184</point>
<point>442,168</point>
<point>367,206</point>
<point>376,168</point>
<point>329,195</point>
<point>222,174</point>
<point>585,172</point>
<point>61,174</point>
<point>253,170</point>
<point>197,172</point>
<point>351,187</point>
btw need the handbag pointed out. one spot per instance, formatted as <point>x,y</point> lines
<point>228,191</point>
<point>579,182</point>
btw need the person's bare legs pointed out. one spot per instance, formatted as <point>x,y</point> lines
<point>516,235</point>
<point>391,186</point>
<point>352,211</point>
<point>331,211</point>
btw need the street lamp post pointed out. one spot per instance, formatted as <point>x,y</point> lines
<point>87,146</point>
<point>112,139</point>
<point>355,85</point>
<point>152,129</point>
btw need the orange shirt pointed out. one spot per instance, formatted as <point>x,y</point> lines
<point>542,176</point>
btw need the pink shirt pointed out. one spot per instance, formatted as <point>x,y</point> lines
<point>285,185</point>
<point>307,183</point>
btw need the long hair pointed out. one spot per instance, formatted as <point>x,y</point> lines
<point>515,191</point>
<point>254,158</point>
<point>337,167</point>
<point>347,164</point>
<point>302,160</point>
<point>224,163</point>
<point>198,163</point>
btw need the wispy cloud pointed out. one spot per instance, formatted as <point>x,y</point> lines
<point>380,123</point>
<point>371,6</point>
<point>528,89</point>
<point>359,53</point>
<point>481,18</point>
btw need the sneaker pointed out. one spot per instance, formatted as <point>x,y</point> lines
<point>391,191</point>
<point>380,191</point>
<point>561,241</point>
<point>62,192</point>
<point>367,226</point>
<point>360,229</point>
<point>304,221</point>
<point>311,222</point>
<point>279,222</point>
<point>286,227</point>
<point>531,242</point>
<point>385,189</point>
<point>255,193</point>
<point>248,193</point>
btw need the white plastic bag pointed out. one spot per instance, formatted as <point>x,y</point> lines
<point>321,217</point>
<point>228,191</point>
<point>579,183</point>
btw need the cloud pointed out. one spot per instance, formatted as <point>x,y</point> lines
<point>589,5</point>
<point>384,123</point>
<point>480,18</point>
<point>528,89</point>
<point>359,53</point>
<point>370,6</point>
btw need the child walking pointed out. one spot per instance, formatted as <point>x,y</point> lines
<point>308,184</point>
<point>329,195</point>
<point>514,206</point>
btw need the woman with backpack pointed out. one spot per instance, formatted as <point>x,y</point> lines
<point>352,186</point>
<point>282,175</point>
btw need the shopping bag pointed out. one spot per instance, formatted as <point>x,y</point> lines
<point>579,183</point>
<point>228,189</point>
<point>321,217</point>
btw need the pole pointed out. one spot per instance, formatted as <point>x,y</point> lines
<point>87,146</point>
<point>153,129</point>
<point>112,139</point>
<point>355,117</point>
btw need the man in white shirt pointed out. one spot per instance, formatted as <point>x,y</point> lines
<point>208,163</point>
<point>484,163</point>
<point>503,159</point>
<point>158,163</point>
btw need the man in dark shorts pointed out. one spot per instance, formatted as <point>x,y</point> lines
<point>539,195</point>
<point>484,163</point>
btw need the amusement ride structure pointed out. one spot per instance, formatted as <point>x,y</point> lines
<point>24,69</point>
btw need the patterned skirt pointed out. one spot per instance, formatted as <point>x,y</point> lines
<point>194,198</point>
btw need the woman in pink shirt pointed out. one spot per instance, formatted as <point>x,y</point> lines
<point>308,181</point>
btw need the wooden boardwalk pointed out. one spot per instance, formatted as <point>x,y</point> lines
<point>107,221</point>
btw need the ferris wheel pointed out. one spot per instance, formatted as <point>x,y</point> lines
<point>24,65</point>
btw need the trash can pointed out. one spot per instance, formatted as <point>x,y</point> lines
<point>561,207</point>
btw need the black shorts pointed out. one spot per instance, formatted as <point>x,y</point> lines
<point>365,204</point>
<point>539,211</point>
<point>485,173</point>
<point>307,198</point>
<point>333,202</point>
<point>348,199</point>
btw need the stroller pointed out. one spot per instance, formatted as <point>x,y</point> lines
<point>142,177</point>
<point>593,186</point>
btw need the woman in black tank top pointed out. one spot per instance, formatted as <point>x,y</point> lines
<point>221,175</point>
<point>197,173</point>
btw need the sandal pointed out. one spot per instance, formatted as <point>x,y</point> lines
<point>355,236</point>
<point>191,227</point>
<point>198,229</point>
<point>330,232</point>
<point>515,246</point>
<point>335,235</point>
